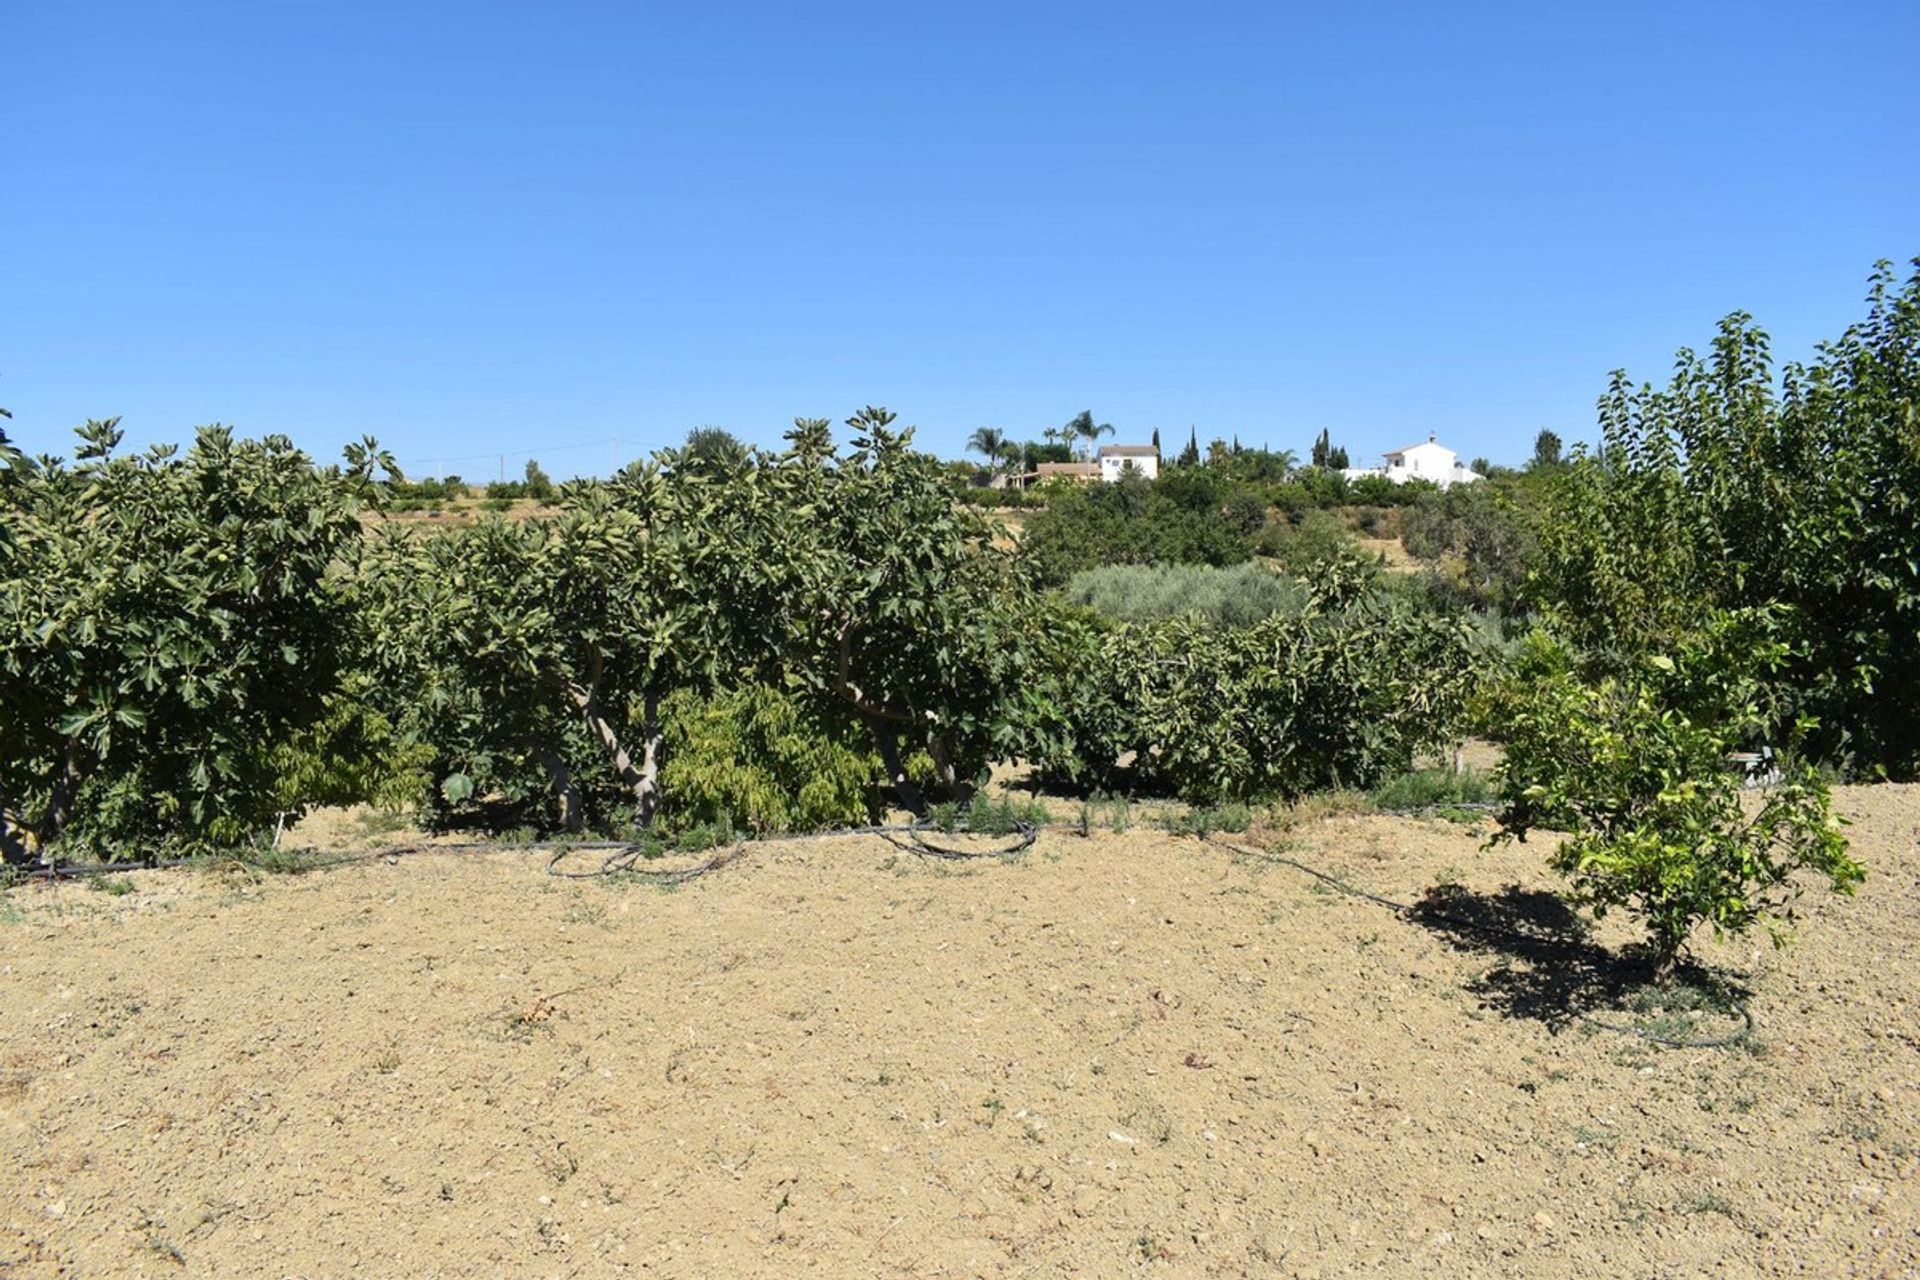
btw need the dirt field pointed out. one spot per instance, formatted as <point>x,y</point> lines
<point>1123,1054</point>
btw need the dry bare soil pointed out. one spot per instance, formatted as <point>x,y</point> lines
<point>1123,1054</point>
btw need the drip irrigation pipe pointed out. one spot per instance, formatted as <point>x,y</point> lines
<point>623,858</point>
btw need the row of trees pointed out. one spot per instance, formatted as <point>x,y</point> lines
<point>195,644</point>
<point>198,644</point>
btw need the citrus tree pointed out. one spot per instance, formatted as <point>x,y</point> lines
<point>1633,764</point>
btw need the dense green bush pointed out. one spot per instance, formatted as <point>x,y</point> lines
<point>534,484</point>
<point>424,495</point>
<point>754,759</point>
<point>1341,694</point>
<point>1302,546</point>
<point>1634,765</point>
<point>1188,516</point>
<point>171,628</point>
<point>1235,597</point>
<point>1732,489</point>
<point>1477,539</point>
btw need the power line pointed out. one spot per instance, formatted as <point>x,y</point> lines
<point>435,463</point>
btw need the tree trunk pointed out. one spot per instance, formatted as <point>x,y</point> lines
<point>653,750</point>
<point>13,843</point>
<point>887,737</point>
<point>1666,965</point>
<point>60,800</point>
<point>643,780</point>
<point>565,793</point>
<point>957,788</point>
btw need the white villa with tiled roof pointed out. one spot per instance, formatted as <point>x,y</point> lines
<point>1429,460</point>
<point>1116,458</point>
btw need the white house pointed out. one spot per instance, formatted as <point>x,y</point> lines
<point>1429,460</point>
<point>1116,458</point>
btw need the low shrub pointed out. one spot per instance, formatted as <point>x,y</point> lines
<point>1319,538</point>
<point>989,815</point>
<point>757,759</point>
<point>1203,820</point>
<point>1432,789</point>
<point>1344,693</point>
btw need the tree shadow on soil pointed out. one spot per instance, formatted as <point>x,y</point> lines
<point>1551,971</point>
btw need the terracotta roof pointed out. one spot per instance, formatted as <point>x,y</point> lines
<point>1066,469</point>
<point>1128,451</point>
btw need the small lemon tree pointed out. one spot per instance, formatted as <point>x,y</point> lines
<point>1634,766</point>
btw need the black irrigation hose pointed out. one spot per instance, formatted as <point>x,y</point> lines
<point>623,856</point>
<point>623,859</point>
<point>917,842</point>
<point>1407,909</point>
<point>912,837</point>
<point>82,870</point>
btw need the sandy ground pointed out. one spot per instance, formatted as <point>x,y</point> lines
<point>1122,1054</point>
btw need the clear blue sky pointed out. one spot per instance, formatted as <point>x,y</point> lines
<point>481,228</point>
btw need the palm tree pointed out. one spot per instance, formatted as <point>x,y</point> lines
<point>991,441</point>
<point>1083,427</point>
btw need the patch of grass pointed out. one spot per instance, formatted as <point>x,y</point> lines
<point>559,1164</point>
<point>1677,1011</point>
<point>582,912</point>
<point>989,815</point>
<point>381,822</point>
<point>1708,1201</point>
<point>1428,789</point>
<point>1599,1139</point>
<point>251,861</point>
<point>1115,813</point>
<point>1203,821</point>
<point>1322,805</point>
<point>158,1245</point>
<point>113,886</point>
<point>705,837</point>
